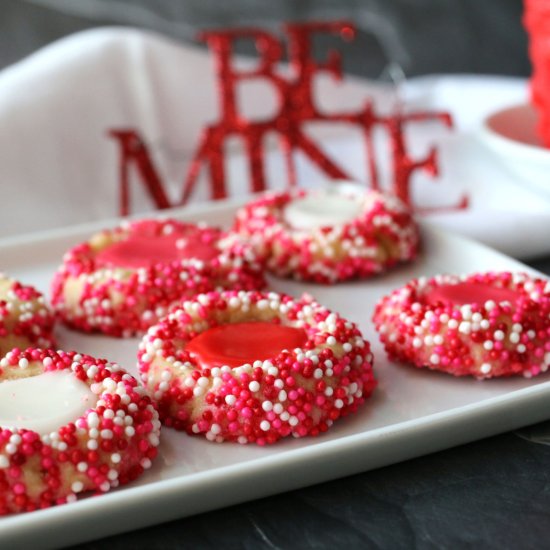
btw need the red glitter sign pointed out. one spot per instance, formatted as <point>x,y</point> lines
<point>536,19</point>
<point>295,107</point>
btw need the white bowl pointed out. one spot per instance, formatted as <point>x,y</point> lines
<point>511,134</point>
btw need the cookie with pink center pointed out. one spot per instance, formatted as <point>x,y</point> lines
<point>484,325</point>
<point>329,235</point>
<point>25,319</point>
<point>254,367</point>
<point>123,280</point>
<point>69,424</point>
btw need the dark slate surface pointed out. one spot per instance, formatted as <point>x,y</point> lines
<point>489,494</point>
<point>424,36</point>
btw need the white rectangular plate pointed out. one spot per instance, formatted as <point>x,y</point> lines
<point>413,412</point>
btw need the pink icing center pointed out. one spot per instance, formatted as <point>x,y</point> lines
<point>469,293</point>
<point>239,343</point>
<point>144,250</point>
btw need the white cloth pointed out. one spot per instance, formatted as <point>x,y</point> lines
<point>58,166</point>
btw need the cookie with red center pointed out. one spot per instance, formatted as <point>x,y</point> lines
<point>329,235</point>
<point>122,281</point>
<point>255,367</point>
<point>25,319</point>
<point>69,424</point>
<point>484,325</point>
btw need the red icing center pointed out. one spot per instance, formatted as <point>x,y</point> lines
<point>469,293</point>
<point>239,343</point>
<point>142,249</point>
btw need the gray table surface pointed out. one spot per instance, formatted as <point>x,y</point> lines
<point>423,36</point>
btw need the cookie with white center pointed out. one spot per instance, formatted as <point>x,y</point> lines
<point>485,325</point>
<point>122,281</point>
<point>329,235</point>
<point>25,319</point>
<point>254,367</point>
<point>69,424</point>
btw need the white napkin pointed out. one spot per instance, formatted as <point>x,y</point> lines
<point>59,167</point>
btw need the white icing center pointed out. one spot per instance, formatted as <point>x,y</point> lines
<point>322,209</point>
<point>44,403</point>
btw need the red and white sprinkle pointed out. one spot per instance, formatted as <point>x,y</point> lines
<point>25,319</point>
<point>299,392</point>
<point>125,302</point>
<point>380,237</point>
<point>482,340</point>
<point>93,453</point>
